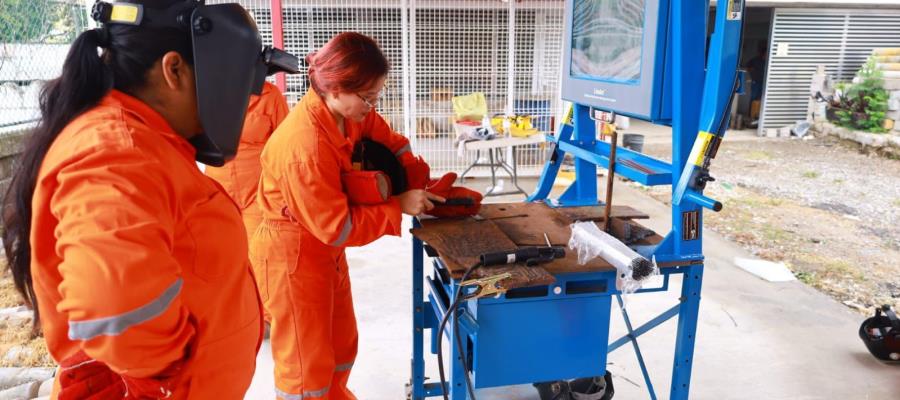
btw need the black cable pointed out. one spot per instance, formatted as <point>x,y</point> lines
<point>737,75</point>
<point>451,309</point>
<point>462,356</point>
<point>720,127</point>
<point>727,112</point>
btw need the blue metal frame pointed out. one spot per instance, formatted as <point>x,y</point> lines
<point>546,333</point>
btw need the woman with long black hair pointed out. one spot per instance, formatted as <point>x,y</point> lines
<point>135,262</point>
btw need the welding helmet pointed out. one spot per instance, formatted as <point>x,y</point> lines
<point>369,155</point>
<point>230,63</point>
<point>881,334</point>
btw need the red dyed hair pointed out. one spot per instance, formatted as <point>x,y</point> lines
<point>349,62</point>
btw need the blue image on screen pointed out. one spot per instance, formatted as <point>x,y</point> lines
<point>607,40</point>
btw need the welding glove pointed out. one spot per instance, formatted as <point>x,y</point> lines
<point>444,187</point>
<point>366,187</point>
<point>81,377</point>
<point>417,172</point>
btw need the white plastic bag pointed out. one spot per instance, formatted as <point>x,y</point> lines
<point>632,269</point>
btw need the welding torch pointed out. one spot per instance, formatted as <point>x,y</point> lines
<point>531,256</point>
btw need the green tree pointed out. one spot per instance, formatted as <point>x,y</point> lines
<point>23,21</point>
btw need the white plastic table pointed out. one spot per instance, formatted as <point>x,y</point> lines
<point>496,159</point>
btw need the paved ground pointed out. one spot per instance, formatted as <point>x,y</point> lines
<point>756,339</point>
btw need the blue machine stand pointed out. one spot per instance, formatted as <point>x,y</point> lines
<point>561,331</point>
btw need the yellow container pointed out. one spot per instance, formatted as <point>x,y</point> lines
<point>516,126</point>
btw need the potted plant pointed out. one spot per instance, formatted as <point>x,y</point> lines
<point>863,105</point>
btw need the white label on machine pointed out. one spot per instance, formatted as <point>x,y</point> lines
<point>510,258</point>
<point>734,9</point>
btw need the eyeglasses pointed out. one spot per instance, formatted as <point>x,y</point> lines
<point>367,102</point>
<point>371,102</point>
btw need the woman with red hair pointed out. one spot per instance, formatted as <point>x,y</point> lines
<point>309,218</point>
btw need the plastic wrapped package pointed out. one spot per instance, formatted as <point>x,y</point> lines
<point>632,269</point>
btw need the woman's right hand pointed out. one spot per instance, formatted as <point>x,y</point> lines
<point>417,201</point>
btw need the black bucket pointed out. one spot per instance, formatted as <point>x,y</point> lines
<point>633,141</point>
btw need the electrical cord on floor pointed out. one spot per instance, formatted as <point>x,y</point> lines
<point>451,309</point>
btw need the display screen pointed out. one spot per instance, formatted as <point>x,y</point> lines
<point>607,40</point>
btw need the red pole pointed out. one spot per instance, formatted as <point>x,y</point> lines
<point>278,40</point>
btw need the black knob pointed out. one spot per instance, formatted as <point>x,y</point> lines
<point>101,12</point>
<point>202,25</point>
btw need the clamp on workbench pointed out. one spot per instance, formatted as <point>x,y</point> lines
<point>485,287</point>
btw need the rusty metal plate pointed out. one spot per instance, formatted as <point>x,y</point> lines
<point>459,242</point>
<point>595,213</point>
<point>526,223</point>
<point>502,227</point>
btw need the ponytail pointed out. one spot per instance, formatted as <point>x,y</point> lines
<point>84,81</point>
<point>87,76</point>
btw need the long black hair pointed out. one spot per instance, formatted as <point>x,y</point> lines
<point>87,76</point>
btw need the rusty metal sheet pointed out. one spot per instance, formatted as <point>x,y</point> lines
<point>502,227</point>
<point>529,230</point>
<point>459,242</point>
<point>595,213</point>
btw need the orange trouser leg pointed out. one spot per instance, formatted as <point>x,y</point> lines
<point>344,335</point>
<point>312,327</point>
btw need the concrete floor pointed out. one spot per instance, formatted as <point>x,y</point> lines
<point>756,339</point>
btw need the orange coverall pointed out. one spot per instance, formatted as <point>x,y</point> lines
<point>240,176</point>
<point>138,258</point>
<point>298,250</point>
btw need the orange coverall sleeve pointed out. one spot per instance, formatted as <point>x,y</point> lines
<point>121,287</point>
<point>377,129</point>
<point>316,199</point>
<point>280,110</point>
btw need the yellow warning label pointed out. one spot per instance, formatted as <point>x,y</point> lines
<point>125,13</point>
<point>700,147</point>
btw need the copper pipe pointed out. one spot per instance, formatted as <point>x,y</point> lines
<point>610,178</point>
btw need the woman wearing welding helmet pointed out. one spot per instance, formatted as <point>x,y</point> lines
<point>315,203</point>
<point>134,261</point>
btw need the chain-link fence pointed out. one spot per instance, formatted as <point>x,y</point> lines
<point>438,49</point>
<point>34,38</point>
